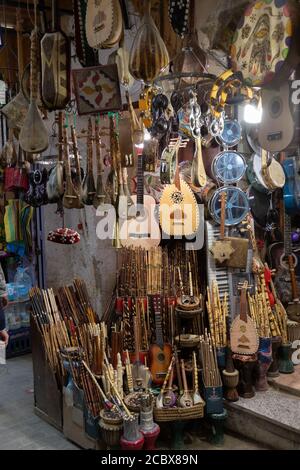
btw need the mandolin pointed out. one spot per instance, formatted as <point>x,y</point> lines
<point>185,400</point>
<point>148,55</point>
<point>55,66</point>
<point>55,184</point>
<point>160,352</point>
<point>71,198</point>
<point>243,333</point>
<point>100,193</point>
<point>88,186</point>
<point>140,228</point>
<point>103,23</point>
<point>277,127</point>
<point>34,135</point>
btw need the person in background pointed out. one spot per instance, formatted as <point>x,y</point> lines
<point>3,302</point>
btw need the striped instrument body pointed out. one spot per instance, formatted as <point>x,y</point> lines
<point>55,64</point>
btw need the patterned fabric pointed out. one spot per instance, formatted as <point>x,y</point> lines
<point>64,236</point>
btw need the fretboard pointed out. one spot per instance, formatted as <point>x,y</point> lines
<point>158,329</point>
<point>287,235</point>
<point>140,180</point>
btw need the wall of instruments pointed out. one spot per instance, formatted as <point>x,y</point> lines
<point>166,161</point>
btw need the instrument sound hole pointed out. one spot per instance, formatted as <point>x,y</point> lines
<point>276,107</point>
<point>161,357</point>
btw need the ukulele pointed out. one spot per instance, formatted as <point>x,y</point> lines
<point>100,193</point>
<point>103,23</point>
<point>243,333</point>
<point>185,400</point>
<point>160,352</point>
<point>88,186</point>
<point>34,135</point>
<point>276,130</point>
<point>140,228</point>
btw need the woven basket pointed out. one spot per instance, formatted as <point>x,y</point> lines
<point>179,414</point>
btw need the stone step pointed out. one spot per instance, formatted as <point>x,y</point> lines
<point>271,418</point>
<point>289,383</point>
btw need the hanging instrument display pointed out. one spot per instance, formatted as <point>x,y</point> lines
<point>88,185</point>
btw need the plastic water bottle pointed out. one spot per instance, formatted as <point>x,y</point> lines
<point>23,284</point>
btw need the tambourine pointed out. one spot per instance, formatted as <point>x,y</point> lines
<point>263,40</point>
<point>229,166</point>
<point>236,209</point>
<point>231,134</point>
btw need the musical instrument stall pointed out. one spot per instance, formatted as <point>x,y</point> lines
<point>199,203</point>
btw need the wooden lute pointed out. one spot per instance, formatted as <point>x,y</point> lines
<point>243,333</point>
<point>88,187</point>
<point>77,178</point>
<point>71,199</point>
<point>185,400</point>
<point>100,195</point>
<point>55,184</point>
<point>34,135</point>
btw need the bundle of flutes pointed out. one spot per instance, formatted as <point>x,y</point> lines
<point>217,310</point>
<point>211,374</point>
<point>54,334</point>
<point>92,338</point>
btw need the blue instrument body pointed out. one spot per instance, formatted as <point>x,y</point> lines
<point>291,189</point>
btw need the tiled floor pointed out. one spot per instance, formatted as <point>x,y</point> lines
<point>20,428</point>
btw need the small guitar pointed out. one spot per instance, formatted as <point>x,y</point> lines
<point>276,130</point>
<point>88,187</point>
<point>140,229</point>
<point>103,23</point>
<point>160,352</point>
<point>185,400</point>
<point>243,333</point>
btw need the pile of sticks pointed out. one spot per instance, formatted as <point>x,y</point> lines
<point>217,315</point>
<point>211,374</point>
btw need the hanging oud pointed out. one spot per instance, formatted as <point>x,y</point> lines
<point>243,334</point>
<point>103,23</point>
<point>148,54</point>
<point>34,135</point>
<point>55,66</point>
<point>86,55</point>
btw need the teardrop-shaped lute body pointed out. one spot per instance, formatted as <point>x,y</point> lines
<point>148,55</point>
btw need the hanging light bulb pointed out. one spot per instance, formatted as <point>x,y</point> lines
<point>253,112</point>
